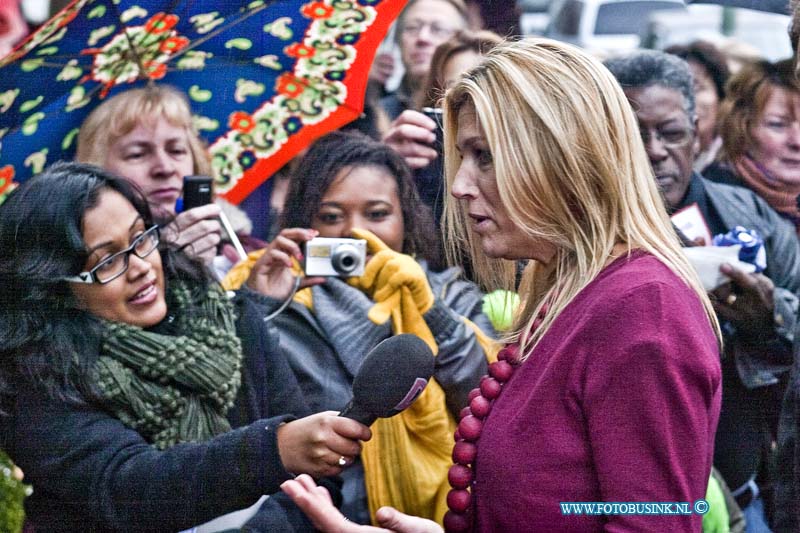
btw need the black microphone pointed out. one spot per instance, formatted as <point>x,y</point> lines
<point>390,378</point>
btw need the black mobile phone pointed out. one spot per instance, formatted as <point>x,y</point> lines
<point>196,191</point>
<point>435,114</point>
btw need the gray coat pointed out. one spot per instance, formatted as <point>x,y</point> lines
<point>326,374</point>
<point>325,364</point>
<point>761,365</point>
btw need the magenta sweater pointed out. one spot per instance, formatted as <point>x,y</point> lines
<point>619,402</point>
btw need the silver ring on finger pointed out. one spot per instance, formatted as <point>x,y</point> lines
<point>342,461</point>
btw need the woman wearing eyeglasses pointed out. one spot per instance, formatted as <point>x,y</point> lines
<point>123,369</point>
<point>422,26</point>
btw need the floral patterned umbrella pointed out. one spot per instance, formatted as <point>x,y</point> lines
<point>264,78</point>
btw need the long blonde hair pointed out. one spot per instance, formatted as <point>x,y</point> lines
<point>571,170</point>
<point>122,113</point>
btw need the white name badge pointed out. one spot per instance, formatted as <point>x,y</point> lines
<point>692,224</point>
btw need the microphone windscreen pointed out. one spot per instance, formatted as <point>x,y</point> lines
<point>390,378</point>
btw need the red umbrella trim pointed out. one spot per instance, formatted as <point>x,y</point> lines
<point>312,93</point>
<point>6,181</point>
<point>324,89</point>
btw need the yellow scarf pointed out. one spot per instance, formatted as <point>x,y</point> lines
<point>407,459</point>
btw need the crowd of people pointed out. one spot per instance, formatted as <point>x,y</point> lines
<point>152,380</point>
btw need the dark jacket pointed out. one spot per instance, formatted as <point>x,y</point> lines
<point>787,457</point>
<point>721,172</point>
<point>395,103</point>
<point>757,371</point>
<point>91,473</point>
<point>269,387</point>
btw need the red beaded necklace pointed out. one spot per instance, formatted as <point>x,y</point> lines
<point>461,475</point>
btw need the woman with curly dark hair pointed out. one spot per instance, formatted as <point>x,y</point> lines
<point>350,185</point>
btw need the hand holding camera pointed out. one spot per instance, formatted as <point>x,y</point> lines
<point>196,229</point>
<point>273,275</point>
<point>436,114</point>
<point>200,223</point>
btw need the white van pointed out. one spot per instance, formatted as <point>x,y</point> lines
<point>765,32</point>
<point>604,25</point>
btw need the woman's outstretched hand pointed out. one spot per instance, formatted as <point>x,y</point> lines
<point>322,444</point>
<point>316,503</point>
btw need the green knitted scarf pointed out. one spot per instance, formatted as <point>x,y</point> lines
<point>174,388</point>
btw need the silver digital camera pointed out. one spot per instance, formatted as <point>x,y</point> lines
<point>335,257</point>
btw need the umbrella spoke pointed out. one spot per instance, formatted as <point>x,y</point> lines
<point>134,46</point>
<point>213,33</point>
<point>53,64</point>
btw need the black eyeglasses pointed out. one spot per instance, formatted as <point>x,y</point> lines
<point>113,267</point>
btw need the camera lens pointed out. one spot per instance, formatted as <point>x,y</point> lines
<point>345,259</point>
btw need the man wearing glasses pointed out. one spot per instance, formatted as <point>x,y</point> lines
<point>757,311</point>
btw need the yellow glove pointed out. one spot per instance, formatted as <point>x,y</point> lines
<point>388,272</point>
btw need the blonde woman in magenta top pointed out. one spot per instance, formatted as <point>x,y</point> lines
<point>609,388</point>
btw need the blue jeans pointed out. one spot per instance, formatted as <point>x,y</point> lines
<point>755,520</point>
